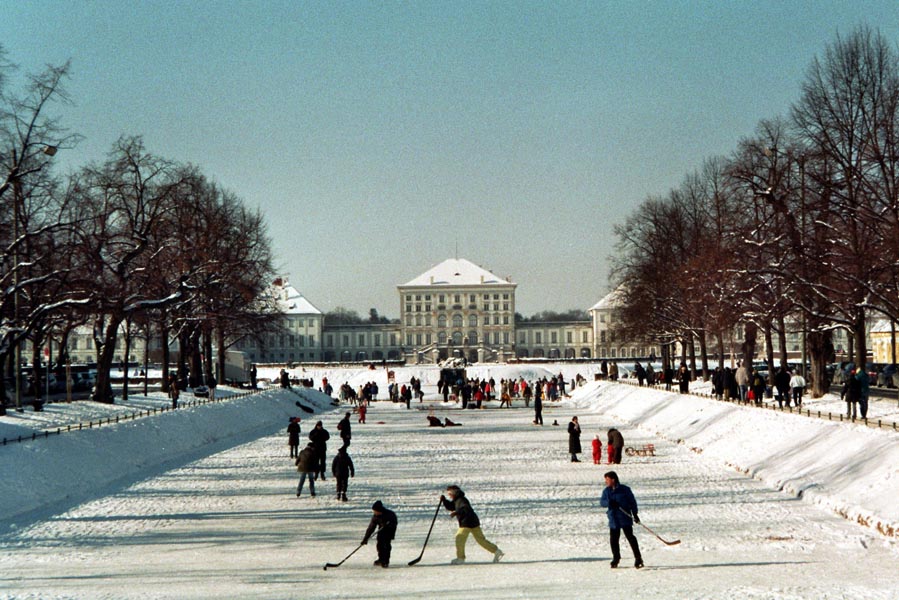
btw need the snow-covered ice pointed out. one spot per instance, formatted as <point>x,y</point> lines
<point>200,502</point>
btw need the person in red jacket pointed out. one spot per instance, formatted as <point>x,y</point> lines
<point>610,450</point>
<point>597,450</point>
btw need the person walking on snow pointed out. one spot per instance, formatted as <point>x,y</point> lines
<point>574,439</point>
<point>307,463</point>
<point>320,436</point>
<point>385,521</point>
<point>342,469</point>
<point>293,436</point>
<point>621,507</point>
<point>616,446</point>
<point>460,507</point>
<point>362,410</point>
<point>597,450</point>
<point>797,384</point>
<point>345,430</point>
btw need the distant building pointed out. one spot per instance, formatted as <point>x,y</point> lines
<point>611,341</point>
<point>300,335</point>
<point>554,339</point>
<point>458,309</point>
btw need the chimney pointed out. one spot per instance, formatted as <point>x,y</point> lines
<point>482,279</point>
<point>432,280</point>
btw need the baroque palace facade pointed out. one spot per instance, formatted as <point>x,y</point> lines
<point>456,309</point>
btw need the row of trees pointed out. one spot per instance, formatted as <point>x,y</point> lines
<point>799,225</point>
<point>134,245</point>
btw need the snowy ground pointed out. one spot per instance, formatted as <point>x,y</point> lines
<point>200,503</point>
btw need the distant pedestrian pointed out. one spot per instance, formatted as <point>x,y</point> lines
<point>616,445</point>
<point>293,436</point>
<point>621,507</point>
<point>385,522</point>
<point>342,469</point>
<point>253,376</point>
<point>307,463</point>
<point>574,439</point>
<point>469,523</point>
<point>345,429</point>
<point>174,392</point>
<point>597,450</point>
<point>538,407</point>
<point>797,384</point>
<point>362,410</point>
<point>782,385</point>
<point>320,436</point>
<point>864,390</point>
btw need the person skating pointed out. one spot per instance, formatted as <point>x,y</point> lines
<point>618,499</point>
<point>342,469</point>
<point>307,462</point>
<point>293,436</point>
<point>385,521</point>
<point>574,439</point>
<point>460,507</point>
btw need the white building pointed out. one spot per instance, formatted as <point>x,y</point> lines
<point>459,309</point>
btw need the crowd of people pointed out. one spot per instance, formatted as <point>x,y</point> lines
<point>617,499</point>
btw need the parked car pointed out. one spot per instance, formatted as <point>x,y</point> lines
<point>888,377</point>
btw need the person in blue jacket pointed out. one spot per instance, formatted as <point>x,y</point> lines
<point>622,510</point>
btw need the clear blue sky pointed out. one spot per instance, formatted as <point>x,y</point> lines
<point>377,137</point>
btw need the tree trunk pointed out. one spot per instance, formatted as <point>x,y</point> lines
<point>820,350</point>
<point>861,344</point>
<point>747,349</point>
<point>126,361</point>
<point>769,352</point>
<point>164,342</point>
<point>103,389</point>
<point>782,340</point>
<point>704,354</point>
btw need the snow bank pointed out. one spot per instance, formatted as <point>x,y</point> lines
<point>64,469</point>
<point>851,469</point>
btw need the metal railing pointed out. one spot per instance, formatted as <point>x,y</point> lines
<point>112,420</point>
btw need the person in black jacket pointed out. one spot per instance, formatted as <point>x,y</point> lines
<point>574,439</point>
<point>293,436</point>
<point>345,430</point>
<point>306,463</point>
<point>385,521</point>
<point>342,469</point>
<point>469,523</point>
<point>320,436</point>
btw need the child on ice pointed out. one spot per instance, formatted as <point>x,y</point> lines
<point>597,450</point>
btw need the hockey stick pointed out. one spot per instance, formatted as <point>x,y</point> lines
<point>344,560</point>
<point>415,561</point>
<point>664,541</point>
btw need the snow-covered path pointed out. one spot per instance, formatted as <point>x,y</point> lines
<point>230,525</point>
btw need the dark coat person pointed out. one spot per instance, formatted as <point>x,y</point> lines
<point>345,429</point>
<point>320,436</point>
<point>621,507</point>
<point>385,522</point>
<point>342,469</point>
<point>782,385</point>
<point>293,436</point>
<point>616,441</point>
<point>574,439</point>
<point>306,463</point>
